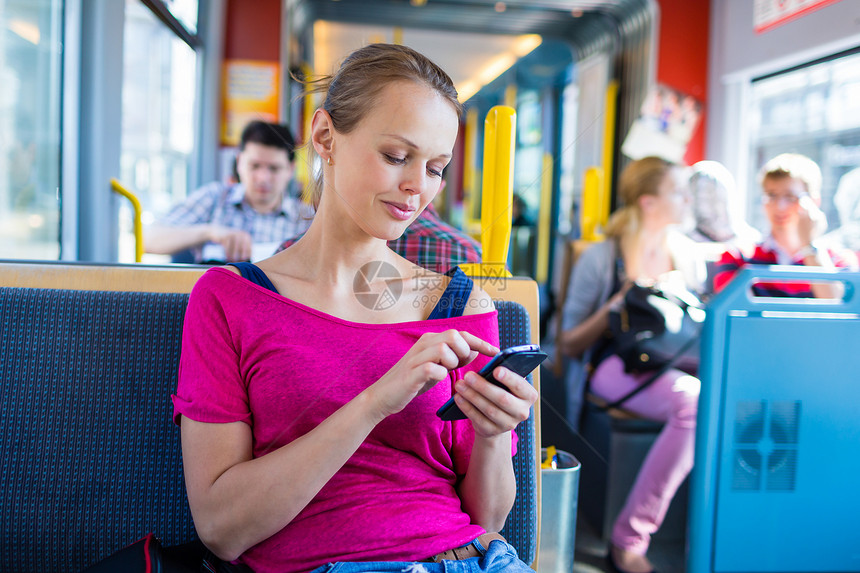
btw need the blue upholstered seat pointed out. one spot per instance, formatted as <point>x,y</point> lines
<point>90,458</point>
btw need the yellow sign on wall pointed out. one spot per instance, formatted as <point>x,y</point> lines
<point>251,91</point>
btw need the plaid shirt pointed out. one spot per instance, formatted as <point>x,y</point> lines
<point>431,243</point>
<point>225,205</point>
<point>768,252</point>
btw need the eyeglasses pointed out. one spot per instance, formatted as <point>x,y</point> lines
<point>773,199</point>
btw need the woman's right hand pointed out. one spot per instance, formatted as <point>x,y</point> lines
<point>575,341</point>
<point>616,301</point>
<point>423,366</point>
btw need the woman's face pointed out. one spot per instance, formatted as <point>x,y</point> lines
<point>387,169</point>
<point>673,197</point>
<point>782,201</point>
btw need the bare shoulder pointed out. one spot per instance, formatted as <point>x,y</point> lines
<point>480,302</point>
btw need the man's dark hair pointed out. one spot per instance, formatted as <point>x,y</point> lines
<point>270,135</point>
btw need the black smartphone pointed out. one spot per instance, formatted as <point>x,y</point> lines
<point>519,359</point>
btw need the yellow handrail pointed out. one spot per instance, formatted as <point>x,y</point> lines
<point>117,187</point>
<point>303,168</point>
<point>497,192</point>
<point>608,149</point>
<point>597,183</point>
<point>591,211</point>
<point>544,219</point>
<point>471,223</point>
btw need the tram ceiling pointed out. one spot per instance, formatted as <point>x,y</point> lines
<point>623,28</point>
<point>620,27</point>
<point>578,21</point>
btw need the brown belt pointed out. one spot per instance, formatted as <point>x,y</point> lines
<point>465,552</point>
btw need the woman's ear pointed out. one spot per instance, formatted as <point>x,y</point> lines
<point>322,133</point>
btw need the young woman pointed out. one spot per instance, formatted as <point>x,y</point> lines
<point>642,246</point>
<point>307,403</point>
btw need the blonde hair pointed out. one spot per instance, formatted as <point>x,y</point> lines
<point>796,166</point>
<point>353,90</point>
<point>641,177</point>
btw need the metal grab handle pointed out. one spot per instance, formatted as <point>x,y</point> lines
<point>117,187</point>
<point>497,192</point>
<point>737,293</point>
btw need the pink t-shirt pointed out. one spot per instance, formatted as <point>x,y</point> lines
<point>251,355</point>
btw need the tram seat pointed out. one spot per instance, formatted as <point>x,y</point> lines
<point>90,457</point>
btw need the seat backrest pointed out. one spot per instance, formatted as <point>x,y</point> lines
<point>517,302</point>
<point>91,459</point>
<point>521,527</point>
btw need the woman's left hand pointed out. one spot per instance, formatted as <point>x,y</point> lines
<point>493,410</point>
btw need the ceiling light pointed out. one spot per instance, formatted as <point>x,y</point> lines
<point>498,65</point>
<point>417,2</point>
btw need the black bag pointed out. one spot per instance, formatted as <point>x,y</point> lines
<point>148,556</point>
<point>656,327</point>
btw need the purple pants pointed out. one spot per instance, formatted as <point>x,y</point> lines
<point>673,398</point>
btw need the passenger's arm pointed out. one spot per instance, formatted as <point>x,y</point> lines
<point>488,489</point>
<point>813,257</point>
<point>811,223</point>
<point>166,240</point>
<point>237,501</point>
<point>575,341</point>
<point>584,318</point>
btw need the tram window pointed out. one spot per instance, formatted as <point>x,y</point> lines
<point>30,95</point>
<point>158,106</point>
<point>813,110</point>
<point>186,12</point>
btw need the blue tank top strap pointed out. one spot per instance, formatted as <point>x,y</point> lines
<point>253,273</point>
<point>456,295</point>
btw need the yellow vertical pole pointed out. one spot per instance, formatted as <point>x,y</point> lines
<point>591,210</point>
<point>302,160</point>
<point>544,220</point>
<point>510,97</point>
<point>608,149</point>
<point>497,192</point>
<point>470,191</point>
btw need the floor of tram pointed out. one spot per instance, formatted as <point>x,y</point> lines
<point>590,552</point>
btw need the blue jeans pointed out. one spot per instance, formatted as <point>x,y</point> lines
<point>499,557</point>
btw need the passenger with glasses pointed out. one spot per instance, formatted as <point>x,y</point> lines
<point>791,186</point>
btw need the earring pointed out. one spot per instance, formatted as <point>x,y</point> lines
<point>328,160</point>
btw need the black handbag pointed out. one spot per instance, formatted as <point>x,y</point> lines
<point>656,327</point>
<point>147,555</point>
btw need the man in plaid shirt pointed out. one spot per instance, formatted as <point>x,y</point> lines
<point>431,243</point>
<point>244,221</point>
